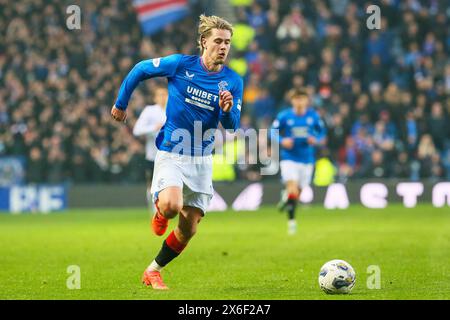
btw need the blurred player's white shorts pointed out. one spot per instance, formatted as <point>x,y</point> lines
<point>193,174</point>
<point>296,171</point>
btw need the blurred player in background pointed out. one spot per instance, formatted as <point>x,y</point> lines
<point>202,93</point>
<point>150,121</point>
<point>301,130</point>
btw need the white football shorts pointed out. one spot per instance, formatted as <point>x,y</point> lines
<point>193,174</point>
<point>296,171</point>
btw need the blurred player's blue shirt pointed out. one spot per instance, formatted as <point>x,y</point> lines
<point>299,127</point>
<point>193,98</point>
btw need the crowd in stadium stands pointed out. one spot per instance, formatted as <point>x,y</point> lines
<point>383,94</point>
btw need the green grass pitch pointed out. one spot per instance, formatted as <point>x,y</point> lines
<point>235,255</point>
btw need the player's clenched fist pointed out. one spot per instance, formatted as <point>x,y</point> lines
<point>225,100</point>
<point>118,115</point>
<point>287,143</point>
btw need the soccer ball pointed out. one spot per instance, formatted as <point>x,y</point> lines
<point>337,277</point>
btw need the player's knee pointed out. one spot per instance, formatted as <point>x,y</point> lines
<point>294,191</point>
<point>170,207</point>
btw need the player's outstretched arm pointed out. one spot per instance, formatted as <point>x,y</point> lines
<point>159,67</point>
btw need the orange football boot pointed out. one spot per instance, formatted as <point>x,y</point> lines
<point>153,278</point>
<point>159,223</point>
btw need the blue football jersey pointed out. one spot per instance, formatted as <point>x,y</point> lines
<point>193,111</point>
<point>299,127</point>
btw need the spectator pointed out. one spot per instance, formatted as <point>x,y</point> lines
<point>428,157</point>
<point>376,167</point>
<point>336,133</point>
<point>293,26</point>
<point>349,159</point>
<point>438,126</point>
<point>411,132</point>
<point>401,168</point>
<point>36,166</point>
<point>383,140</point>
<point>257,17</point>
<point>264,109</point>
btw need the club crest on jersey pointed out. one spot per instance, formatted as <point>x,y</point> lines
<point>222,85</point>
<point>309,121</point>
<point>290,122</point>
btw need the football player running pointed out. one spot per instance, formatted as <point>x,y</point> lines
<point>202,93</point>
<point>300,131</point>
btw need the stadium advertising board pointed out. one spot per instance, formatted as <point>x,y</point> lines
<point>375,195</point>
<point>250,196</point>
<point>33,198</point>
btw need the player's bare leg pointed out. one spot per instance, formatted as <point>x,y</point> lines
<point>293,194</point>
<point>188,220</point>
<point>168,205</point>
<point>283,200</point>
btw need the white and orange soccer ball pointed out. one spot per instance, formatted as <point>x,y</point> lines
<point>337,277</point>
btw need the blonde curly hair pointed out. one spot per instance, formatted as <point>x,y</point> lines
<point>207,23</point>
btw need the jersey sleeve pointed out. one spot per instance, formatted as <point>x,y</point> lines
<point>231,119</point>
<point>158,67</point>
